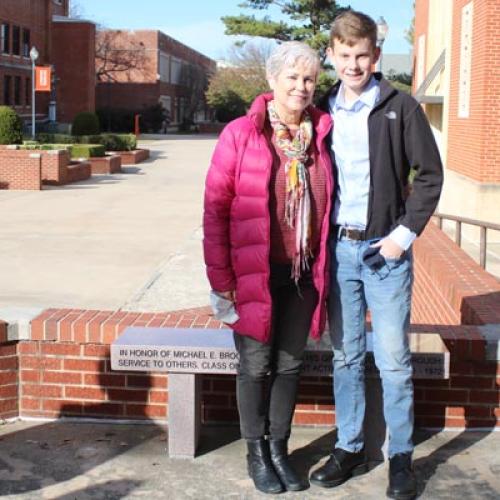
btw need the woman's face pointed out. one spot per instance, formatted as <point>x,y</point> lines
<point>294,87</point>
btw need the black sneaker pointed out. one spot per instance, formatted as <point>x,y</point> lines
<point>339,468</point>
<point>402,481</point>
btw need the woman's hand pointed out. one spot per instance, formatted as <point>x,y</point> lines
<point>229,295</point>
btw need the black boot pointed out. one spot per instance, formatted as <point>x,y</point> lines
<point>339,468</point>
<point>402,481</point>
<point>260,467</point>
<point>279,457</point>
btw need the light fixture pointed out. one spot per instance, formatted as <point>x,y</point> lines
<point>33,56</point>
<point>382,30</point>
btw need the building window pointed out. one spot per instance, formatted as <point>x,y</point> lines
<point>26,42</point>
<point>6,89</point>
<point>16,40</point>
<point>176,69</point>
<point>5,38</point>
<point>164,67</point>
<point>27,92</point>
<point>166,102</point>
<point>17,91</point>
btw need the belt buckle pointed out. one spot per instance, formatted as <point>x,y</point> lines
<point>353,234</point>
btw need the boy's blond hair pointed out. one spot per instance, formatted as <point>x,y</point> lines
<point>351,26</point>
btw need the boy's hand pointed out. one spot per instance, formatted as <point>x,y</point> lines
<point>389,248</point>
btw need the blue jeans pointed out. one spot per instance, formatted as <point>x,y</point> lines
<point>387,294</point>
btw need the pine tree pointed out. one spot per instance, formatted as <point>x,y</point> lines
<point>310,21</point>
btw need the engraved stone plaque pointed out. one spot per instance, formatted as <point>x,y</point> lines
<point>187,350</point>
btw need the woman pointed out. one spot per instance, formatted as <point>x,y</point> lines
<point>267,204</point>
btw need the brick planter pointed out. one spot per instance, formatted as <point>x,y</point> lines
<point>29,169</point>
<point>109,164</point>
<point>20,169</point>
<point>77,171</point>
<point>133,157</point>
<point>54,166</point>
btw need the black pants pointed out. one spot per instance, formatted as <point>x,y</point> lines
<point>268,374</point>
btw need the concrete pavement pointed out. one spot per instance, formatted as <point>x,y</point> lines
<point>103,242</point>
<point>94,461</point>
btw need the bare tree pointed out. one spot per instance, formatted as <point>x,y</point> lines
<point>232,88</point>
<point>118,57</point>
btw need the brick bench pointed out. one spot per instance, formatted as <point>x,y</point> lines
<point>188,354</point>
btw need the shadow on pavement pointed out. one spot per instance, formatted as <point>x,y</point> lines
<point>44,455</point>
<point>109,489</point>
<point>306,458</point>
<point>214,437</point>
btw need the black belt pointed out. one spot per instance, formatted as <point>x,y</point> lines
<point>350,234</point>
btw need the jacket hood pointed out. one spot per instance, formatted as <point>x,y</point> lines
<point>322,121</point>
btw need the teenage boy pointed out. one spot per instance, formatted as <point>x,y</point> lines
<point>379,135</point>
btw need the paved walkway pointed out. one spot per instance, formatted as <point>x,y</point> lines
<point>103,243</point>
<point>89,461</point>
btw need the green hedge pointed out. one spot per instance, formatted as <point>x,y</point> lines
<point>85,123</point>
<point>119,142</point>
<point>11,126</point>
<point>55,138</point>
<point>111,142</point>
<point>88,151</point>
<point>28,146</point>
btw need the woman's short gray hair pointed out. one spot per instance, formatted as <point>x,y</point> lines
<point>287,55</point>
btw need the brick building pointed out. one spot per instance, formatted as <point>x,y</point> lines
<point>456,78</point>
<point>65,44</point>
<point>137,69</point>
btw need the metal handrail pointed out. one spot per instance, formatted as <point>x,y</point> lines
<point>483,227</point>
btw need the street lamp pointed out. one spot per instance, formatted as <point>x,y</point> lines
<point>33,56</point>
<point>382,30</point>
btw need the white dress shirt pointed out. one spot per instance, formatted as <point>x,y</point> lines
<point>352,156</point>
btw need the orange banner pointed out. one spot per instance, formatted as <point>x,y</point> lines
<point>42,78</point>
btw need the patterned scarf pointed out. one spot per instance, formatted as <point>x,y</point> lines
<point>298,200</point>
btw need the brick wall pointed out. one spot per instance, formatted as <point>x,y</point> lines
<point>141,86</point>
<point>20,170</point>
<point>54,166</point>
<point>73,56</point>
<point>134,96</point>
<point>8,376</point>
<point>449,287</point>
<point>34,15</point>
<point>64,369</point>
<point>474,142</point>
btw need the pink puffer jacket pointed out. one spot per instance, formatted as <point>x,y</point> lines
<point>236,221</point>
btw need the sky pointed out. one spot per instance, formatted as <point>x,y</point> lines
<point>197,23</point>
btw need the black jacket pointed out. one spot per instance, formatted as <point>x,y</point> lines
<point>400,138</point>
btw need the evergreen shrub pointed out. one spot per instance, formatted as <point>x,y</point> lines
<point>11,126</point>
<point>85,123</point>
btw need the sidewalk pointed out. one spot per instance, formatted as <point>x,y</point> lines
<point>94,461</point>
<point>103,242</point>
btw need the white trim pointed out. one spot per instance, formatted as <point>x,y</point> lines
<point>464,78</point>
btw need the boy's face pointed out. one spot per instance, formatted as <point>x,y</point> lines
<point>353,63</point>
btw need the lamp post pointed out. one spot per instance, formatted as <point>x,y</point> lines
<point>33,56</point>
<point>382,30</point>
